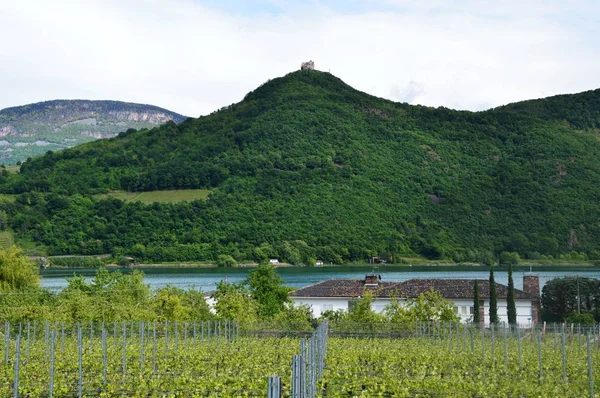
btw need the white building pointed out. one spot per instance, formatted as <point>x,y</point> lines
<point>274,261</point>
<point>337,294</point>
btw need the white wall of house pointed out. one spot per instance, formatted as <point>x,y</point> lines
<point>462,306</point>
<point>524,311</point>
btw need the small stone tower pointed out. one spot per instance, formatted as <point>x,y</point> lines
<point>310,65</point>
<point>531,285</point>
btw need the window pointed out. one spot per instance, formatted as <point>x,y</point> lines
<point>326,307</point>
<point>352,303</point>
<point>463,309</point>
<point>456,309</point>
<point>471,310</point>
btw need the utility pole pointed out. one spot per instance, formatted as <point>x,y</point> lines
<point>578,300</point>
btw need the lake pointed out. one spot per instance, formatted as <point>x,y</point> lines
<point>206,279</point>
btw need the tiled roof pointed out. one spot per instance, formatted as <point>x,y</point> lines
<point>448,288</point>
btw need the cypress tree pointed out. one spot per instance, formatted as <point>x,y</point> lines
<point>511,309</point>
<point>476,318</point>
<point>493,299</point>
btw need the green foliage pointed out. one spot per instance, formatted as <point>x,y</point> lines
<point>169,196</point>
<point>312,169</point>
<point>427,307</point>
<point>225,260</point>
<point>295,318</point>
<point>123,261</point>
<point>77,262</point>
<point>233,301</point>
<point>108,297</point>
<point>493,299</point>
<point>511,258</point>
<point>268,289</point>
<point>511,309</point>
<point>198,365</point>
<point>410,366</point>
<point>563,297</point>
<point>175,304</point>
<point>17,272</point>
<point>583,319</point>
<point>426,366</point>
<point>360,310</point>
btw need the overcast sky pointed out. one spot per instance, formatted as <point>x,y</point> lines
<point>195,56</point>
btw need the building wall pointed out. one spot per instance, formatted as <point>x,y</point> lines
<point>524,311</point>
<point>463,307</point>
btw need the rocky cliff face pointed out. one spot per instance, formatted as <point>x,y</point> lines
<point>148,117</point>
<point>61,124</point>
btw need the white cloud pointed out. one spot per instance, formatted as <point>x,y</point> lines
<point>185,56</point>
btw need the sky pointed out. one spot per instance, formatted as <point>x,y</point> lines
<point>196,56</point>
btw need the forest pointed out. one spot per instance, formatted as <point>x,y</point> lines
<point>307,168</point>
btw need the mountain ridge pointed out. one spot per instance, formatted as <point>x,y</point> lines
<point>307,164</point>
<point>33,129</point>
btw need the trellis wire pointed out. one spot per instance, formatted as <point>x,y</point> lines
<point>311,358</point>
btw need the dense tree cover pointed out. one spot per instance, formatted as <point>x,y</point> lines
<point>307,168</point>
<point>572,299</point>
<point>580,111</point>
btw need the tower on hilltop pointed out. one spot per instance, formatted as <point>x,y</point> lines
<point>310,65</point>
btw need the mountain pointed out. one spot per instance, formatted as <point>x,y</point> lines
<point>577,111</point>
<point>31,130</point>
<point>306,167</point>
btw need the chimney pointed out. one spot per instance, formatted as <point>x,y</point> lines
<point>531,284</point>
<point>372,280</point>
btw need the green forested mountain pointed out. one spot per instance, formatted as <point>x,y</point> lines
<point>578,111</point>
<point>31,130</point>
<point>306,167</point>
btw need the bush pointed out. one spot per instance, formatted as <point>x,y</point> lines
<point>123,261</point>
<point>225,260</point>
<point>584,319</point>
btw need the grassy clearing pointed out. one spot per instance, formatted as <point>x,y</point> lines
<point>32,248</point>
<point>178,195</point>
<point>14,169</point>
<point>6,239</point>
<point>7,197</point>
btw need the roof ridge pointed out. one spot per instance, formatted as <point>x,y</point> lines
<point>313,284</point>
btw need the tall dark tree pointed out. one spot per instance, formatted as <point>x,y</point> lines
<point>493,299</point>
<point>560,298</point>
<point>476,317</point>
<point>511,309</point>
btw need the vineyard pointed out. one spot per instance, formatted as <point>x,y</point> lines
<point>218,359</point>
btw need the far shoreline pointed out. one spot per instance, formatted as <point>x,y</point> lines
<point>383,268</point>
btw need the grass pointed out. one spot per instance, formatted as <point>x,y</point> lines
<point>14,169</point>
<point>178,195</point>
<point>32,248</point>
<point>6,239</point>
<point>7,197</point>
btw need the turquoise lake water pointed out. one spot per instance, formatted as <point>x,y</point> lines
<point>206,279</point>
